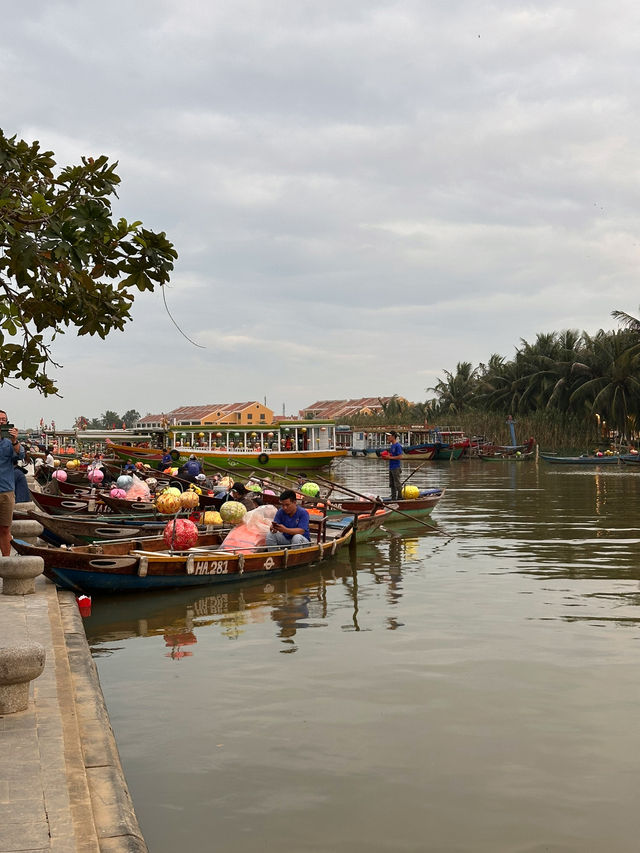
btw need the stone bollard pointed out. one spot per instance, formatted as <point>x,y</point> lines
<point>19,665</point>
<point>19,574</point>
<point>25,506</point>
<point>27,530</point>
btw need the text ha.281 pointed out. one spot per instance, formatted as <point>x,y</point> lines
<point>211,567</point>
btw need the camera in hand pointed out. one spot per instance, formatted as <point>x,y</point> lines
<point>4,430</point>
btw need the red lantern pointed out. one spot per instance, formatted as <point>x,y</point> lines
<point>180,534</point>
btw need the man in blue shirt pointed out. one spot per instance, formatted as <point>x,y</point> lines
<point>10,451</point>
<point>166,461</point>
<point>291,523</point>
<point>191,469</point>
<point>395,466</point>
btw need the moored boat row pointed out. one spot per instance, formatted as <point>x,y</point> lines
<point>114,544</point>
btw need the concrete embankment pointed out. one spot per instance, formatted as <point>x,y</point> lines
<point>62,787</point>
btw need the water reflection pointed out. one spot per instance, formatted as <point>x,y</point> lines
<point>292,602</point>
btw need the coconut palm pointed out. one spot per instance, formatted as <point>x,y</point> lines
<point>553,370</point>
<point>631,324</point>
<point>612,386</point>
<point>457,391</point>
<point>499,385</point>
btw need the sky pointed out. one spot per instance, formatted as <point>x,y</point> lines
<point>361,194</point>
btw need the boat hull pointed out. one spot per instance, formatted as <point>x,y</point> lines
<point>126,567</point>
<point>212,459</point>
<point>84,530</point>
<point>418,508</point>
<point>365,526</point>
<point>581,460</point>
<point>508,457</point>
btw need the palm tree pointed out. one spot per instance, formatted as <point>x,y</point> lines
<point>498,385</point>
<point>553,370</point>
<point>613,391</point>
<point>631,324</point>
<point>457,391</point>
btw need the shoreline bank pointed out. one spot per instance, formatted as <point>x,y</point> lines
<point>62,786</point>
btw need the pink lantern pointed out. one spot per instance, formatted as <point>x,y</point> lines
<point>117,493</point>
<point>60,474</point>
<point>180,534</point>
<point>95,475</point>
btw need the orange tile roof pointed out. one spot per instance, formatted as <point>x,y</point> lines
<point>196,413</point>
<point>344,408</point>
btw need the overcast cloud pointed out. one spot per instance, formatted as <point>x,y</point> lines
<point>362,194</point>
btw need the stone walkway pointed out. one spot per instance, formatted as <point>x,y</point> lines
<point>61,783</point>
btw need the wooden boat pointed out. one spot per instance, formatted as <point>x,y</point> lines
<point>437,443</point>
<point>451,443</point>
<point>419,507</point>
<point>630,458</point>
<point>581,460</point>
<point>84,529</point>
<point>101,503</point>
<point>70,504</point>
<point>122,505</point>
<point>44,473</point>
<point>365,525</point>
<point>146,564</point>
<point>212,459</point>
<point>416,451</point>
<point>507,457</point>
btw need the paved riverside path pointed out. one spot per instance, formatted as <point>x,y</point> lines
<point>61,783</point>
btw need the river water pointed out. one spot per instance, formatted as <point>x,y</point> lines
<point>471,689</point>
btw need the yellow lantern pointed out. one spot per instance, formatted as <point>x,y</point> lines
<point>410,493</point>
<point>167,503</point>
<point>189,500</point>
<point>212,519</point>
<point>172,490</point>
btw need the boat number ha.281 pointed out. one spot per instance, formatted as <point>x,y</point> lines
<point>211,567</point>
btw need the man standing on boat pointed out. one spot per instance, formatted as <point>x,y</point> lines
<point>395,466</point>
<point>291,523</point>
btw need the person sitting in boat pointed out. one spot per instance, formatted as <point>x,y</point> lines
<point>241,493</point>
<point>96,462</point>
<point>48,459</point>
<point>291,523</point>
<point>129,467</point>
<point>166,461</point>
<point>191,469</point>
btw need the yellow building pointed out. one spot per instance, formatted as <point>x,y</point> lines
<point>232,414</point>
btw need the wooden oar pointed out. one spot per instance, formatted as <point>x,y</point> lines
<point>381,504</point>
<point>345,489</point>
<point>414,472</point>
<point>270,474</point>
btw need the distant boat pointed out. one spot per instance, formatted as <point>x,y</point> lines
<point>294,445</point>
<point>518,456</point>
<point>614,459</point>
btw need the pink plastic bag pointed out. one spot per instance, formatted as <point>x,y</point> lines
<point>138,491</point>
<point>251,533</point>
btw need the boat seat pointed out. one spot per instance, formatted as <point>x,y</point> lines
<point>210,551</point>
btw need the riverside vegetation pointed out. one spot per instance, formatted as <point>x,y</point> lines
<point>568,389</point>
